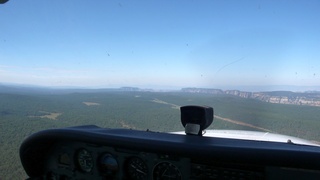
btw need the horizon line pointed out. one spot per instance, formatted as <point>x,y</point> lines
<point>246,88</point>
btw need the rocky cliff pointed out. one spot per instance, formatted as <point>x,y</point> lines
<point>280,97</point>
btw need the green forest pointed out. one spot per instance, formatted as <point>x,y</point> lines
<point>24,114</point>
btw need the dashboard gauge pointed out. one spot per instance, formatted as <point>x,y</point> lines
<point>85,160</point>
<point>64,159</point>
<point>136,169</point>
<point>166,171</point>
<point>109,165</point>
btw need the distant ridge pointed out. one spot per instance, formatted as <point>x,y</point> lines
<point>29,89</point>
<point>310,98</point>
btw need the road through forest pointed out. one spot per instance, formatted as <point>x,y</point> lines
<point>174,106</point>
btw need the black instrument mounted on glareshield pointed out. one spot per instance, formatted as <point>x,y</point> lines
<point>195,119</point>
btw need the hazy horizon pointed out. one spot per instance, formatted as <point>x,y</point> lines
<point>172,88</point>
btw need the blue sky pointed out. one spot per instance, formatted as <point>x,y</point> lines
<point>160,44</point>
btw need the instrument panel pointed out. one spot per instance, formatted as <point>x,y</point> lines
<point>83,161</point>
<point>76,160</point>
<point>91,152</point>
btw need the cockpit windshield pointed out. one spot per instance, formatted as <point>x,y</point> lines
<point>133,64</point>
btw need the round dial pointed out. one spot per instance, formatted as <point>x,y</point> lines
<point>109,164</point>
<point>137,169</point>
<point>166,171</point>
<point>85,160</point>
